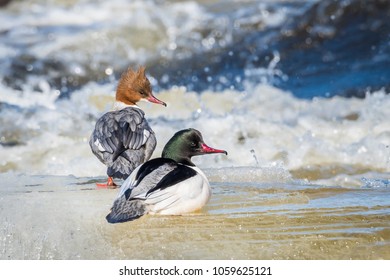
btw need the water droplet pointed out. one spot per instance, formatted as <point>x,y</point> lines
<point>108,71</point>
<point>172,46</point>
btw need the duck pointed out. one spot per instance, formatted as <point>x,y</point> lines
<point>122,138</point>
<point>168,185</point>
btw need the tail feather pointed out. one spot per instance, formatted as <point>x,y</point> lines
<point>125,164</point>
<point>126,210</point>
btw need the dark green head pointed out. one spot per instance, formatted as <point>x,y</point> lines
<point>186,144</point>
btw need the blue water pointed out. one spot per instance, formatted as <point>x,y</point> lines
<point>324,48</point>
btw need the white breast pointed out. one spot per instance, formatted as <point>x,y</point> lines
<point>185,197</point>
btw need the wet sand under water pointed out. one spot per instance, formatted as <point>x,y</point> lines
<point>42,219</point>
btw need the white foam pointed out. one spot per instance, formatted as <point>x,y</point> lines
<point>264,127</point>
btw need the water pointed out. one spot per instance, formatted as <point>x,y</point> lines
<point>53,217</point>
<point>301,108</point>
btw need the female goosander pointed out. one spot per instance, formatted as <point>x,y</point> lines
<point>122,138</point>
<point>169,185</point>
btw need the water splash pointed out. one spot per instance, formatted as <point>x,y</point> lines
<point>375,183</point>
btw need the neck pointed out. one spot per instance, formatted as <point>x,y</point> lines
<point>172,153</point>
<point>119,105</point>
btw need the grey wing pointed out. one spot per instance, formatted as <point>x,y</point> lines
<point>103,135</point>
<point>118,131</point>
<point>133,125</point>
<point>137,186</point>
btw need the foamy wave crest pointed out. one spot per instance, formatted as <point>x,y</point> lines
<point>262,127</point>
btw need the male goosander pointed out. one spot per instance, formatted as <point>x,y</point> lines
<point>122,138</point>
<point>169,185</point>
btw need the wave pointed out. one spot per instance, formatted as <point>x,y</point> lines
<point>310,48</point>
<point>266,81</point>
<point>262,127</point>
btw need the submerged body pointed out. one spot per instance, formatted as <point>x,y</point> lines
<point>170,185</point>
<point>122,138</point>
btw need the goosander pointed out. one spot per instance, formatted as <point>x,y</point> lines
<point>122,138</point>
<point>169,185</point>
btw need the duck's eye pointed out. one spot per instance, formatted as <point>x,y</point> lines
<point>142,92</point>
<point>193,144</point>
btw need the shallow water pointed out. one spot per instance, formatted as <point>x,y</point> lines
<point>53,217</point>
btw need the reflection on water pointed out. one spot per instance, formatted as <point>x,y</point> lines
<point>244,220</point>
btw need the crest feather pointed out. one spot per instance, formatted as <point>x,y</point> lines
<point>131,81</point>
<point>141,71</point>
